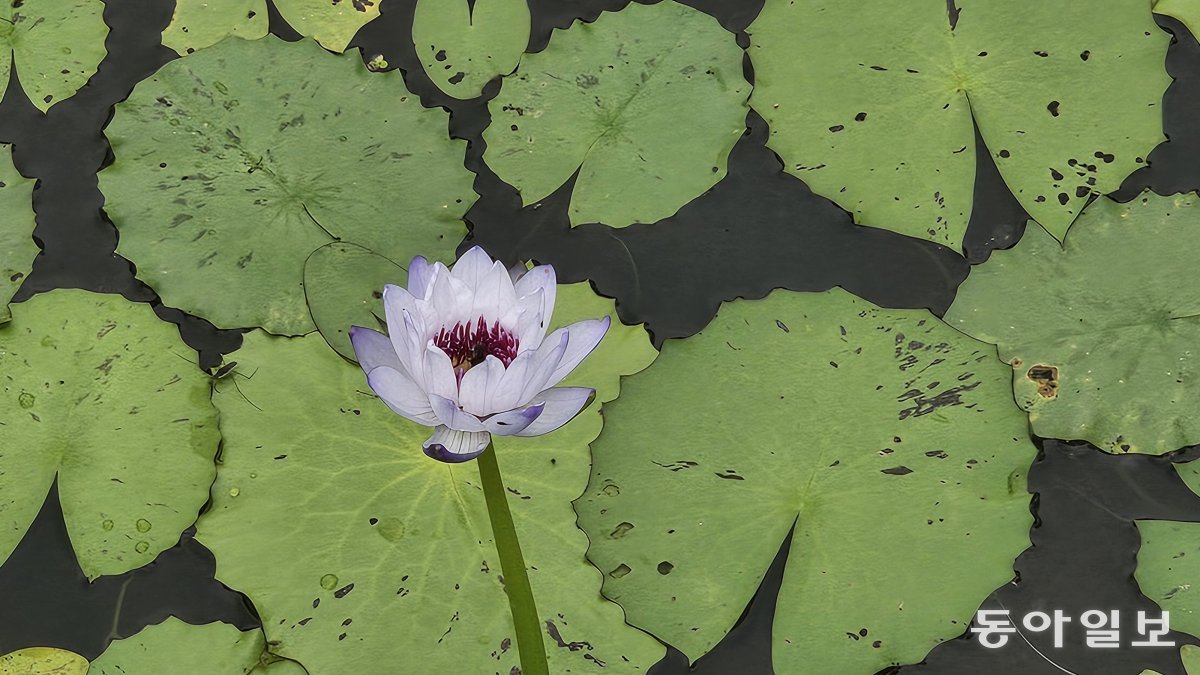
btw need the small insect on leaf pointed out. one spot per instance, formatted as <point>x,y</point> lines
<point>223,370</point>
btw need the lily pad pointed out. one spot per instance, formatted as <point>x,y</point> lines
<point>358,550</point>
<point>97,392</point>
<point>17,247</point>
<point>1168,562</point>
<point>889,440</point>
<point>463,47</point>
<point>234,164</point>
<point>177,647</point>
<point>871,103</point>
<point>343,284</point>
<point>56,59</point>
<point>645,103</point>
<point>1100,333</point>
<point>332,23</point>
<point>197,24</point>
<point>1191,661</point>
<point>1186,12</point>
<point>43,661</point>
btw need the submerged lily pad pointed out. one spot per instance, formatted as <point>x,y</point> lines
<point>177,647</point>
<point>889,440</point>
<point>358,550</point>
<point>1101,334</point>
<point>197,24</point>
<point>17,247</point>
<point>1168,562</point>
<point>645,103</point>
<point>56,46</point>
<point>97,392</point>
<point>43,661</point>
<point>462,47</point>
<point>234,164</point>
<point>343,284</point>
<point>871,103</point>
<point>332,23</point>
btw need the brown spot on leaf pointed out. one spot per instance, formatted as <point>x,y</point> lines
<point>1046,378</point>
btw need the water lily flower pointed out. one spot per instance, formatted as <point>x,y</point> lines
<point>467,353</point>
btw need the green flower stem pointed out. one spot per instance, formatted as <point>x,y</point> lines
<point>512,566</point>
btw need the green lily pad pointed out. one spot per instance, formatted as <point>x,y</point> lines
<point>43,661</point>
<point>97,391</point>
<point>646,103</point>
<point>177,647</point>
<point>1100,333</point>
<point>1186,12</point>
<point>1191,661</point>
<point>463,49</point>
<point>871,103</point>
<point>343,284</point>
<point>1168,562</point>
<point>234,164</point>
<point>358,550</point>
<point>197,24</point>
<point>17,247</point>
<point>55,60</point>
<point>331,23</point>
<point>889,440</point>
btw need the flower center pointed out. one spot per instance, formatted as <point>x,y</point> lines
<point>468,344</point>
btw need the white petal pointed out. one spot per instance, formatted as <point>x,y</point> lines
<point>508,389</point>
<point>522,377</point>
<point>494,296</point>
<point>562,404</point>
<point>449,414</point>
<point>437,373</point>
<point>404,333</point>
<point>531,322</point>
<point>448,445</point>
<point>401,394</point>
<point>517,271</point>
<point>585,336</point>
<point>451,297</point>
<point>472,266</point>
<point>541,277</point>
<point>514,422</point>
<point>373,349</point>
<point>420,272</point>
<point>478,385</point>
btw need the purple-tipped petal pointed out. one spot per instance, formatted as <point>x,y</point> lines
<point>420,273</point>
<point>513,422</point>
<point>449,414</point>
<point>562,404</point>
<point>448,445</point>
<point>402,395</point>
<point>585,336</point>
<point>373,349</point>
<point>478,386</point>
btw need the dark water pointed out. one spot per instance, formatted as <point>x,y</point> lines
<point>756,230</point>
